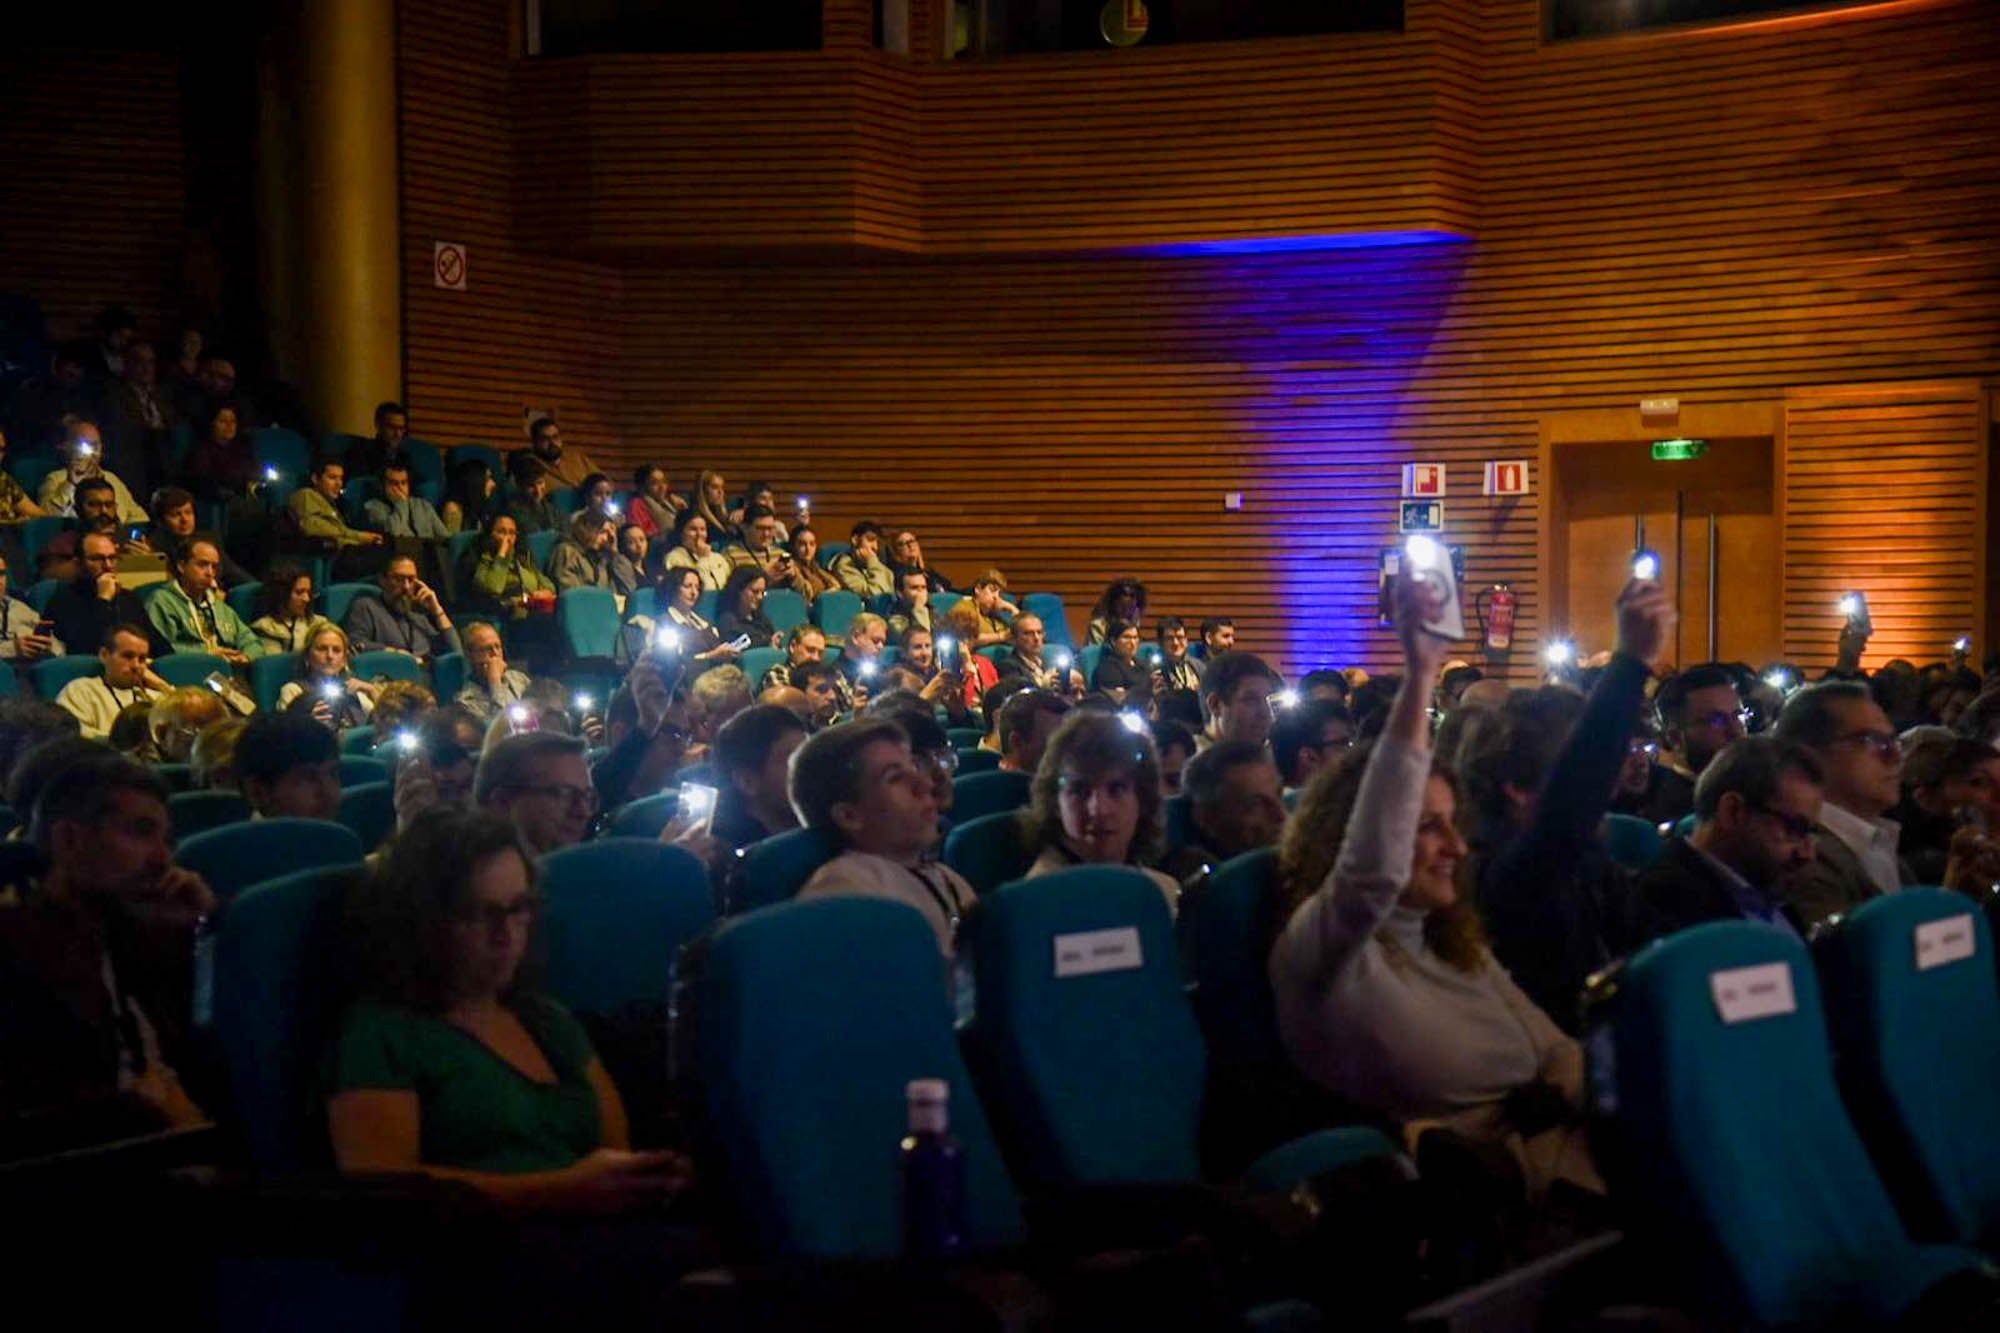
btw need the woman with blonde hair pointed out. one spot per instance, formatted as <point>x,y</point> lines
<point>324,686</point>
<point>177,717</point>
<point>711,501</point>
<point>1386,991</point>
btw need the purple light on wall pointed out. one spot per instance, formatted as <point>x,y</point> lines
<point>1282,245</point>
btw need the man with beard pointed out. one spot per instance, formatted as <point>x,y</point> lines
<point>406,616</point>
<point>1757,807</point>
<point>86,610</point>
<point>1700,714</point>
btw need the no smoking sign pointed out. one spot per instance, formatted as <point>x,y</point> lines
<point>448,265</point>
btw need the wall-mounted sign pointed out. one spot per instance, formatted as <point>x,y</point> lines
<point>1678,451</point>
<point>1423,480</point>
<point>1421,516</point>
<point>448,265</point>
<point>1507,478</point>
<point>1659,407</point>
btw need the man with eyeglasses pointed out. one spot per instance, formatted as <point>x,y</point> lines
<point>87,610</point>
<point>1309,736</point>
<point>1856,849</point>
<point>1757,811</point>
<point>1701,714</point>
<point>538,780</point>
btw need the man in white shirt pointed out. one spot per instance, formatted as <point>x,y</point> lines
<point>859,784</point>
<point>19,640</point>
<point>96,701</point>
<point>1862,760</point>
<point>82,452</point>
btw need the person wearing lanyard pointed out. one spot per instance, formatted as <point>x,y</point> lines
<point>860,784</point>
<point>96,701</point>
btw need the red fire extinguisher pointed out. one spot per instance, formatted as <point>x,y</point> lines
<point>1496,607</point>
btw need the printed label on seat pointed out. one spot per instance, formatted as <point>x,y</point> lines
<point>1745,994</point>
<point>1948,941</point>
<point>1092,951</point>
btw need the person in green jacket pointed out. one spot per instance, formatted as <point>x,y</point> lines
<point>315,512</point>
<point>503,576</point>
<point>192,616</point>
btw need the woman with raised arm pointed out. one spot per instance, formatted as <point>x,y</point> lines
<point>1386,991</point>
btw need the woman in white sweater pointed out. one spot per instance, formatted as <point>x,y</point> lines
<point>1386,992</point>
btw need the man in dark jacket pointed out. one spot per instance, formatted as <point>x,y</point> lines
<point>1756,809</point>
<point>1556,907</point>
<point>86,611</point>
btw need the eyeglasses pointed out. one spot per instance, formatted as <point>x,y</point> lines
<point>1797,827</point>
<point>498,916</point>
<point>1883,743</point>
<point>562,791</point>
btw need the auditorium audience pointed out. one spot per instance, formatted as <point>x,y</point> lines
<point>191,616</point>
<point>822,685</point>
<point>81,457</point>
<point>490,685</point>
<point>1120,675</point>
<point>1386,993</point>
<point>742,610</point>
<point>757,495</point>
<point>176,718</point>
<point>912,609</point>
<point>751,760</point>
<point>1556,906</point>
<point>288,766</point>
<point>691,550</point>
<point>324,688</point>
<point>1028,663</point>
<point>809,578</point>
<point>960,626</point>
<point>1756,807</point>
<point>212,758</point>
<point>1236,699</point>
<point>1178,671</point>
<point>698,640</point>
<point>502,581</point>
<point>1218,636</point>
<point>315,514</point>
<point>1236,804</point>
<point>222,464</point>
<point>628,562</point>
<point>145,417</point>
<point>860,568</point>
<point>376,455</point>
<point>567,465</point>
<point>1122,602</point>
<point>16,507</point>
<point>127,678</point>
<point>397,513</point>
<point>996,613</point>
<point>450,1064</point>
<point>804,642</point>
<point>1176,745</point>
<point>1948,782</point>
<point>405,616</point>
<point>538,781</point>
<point>439,772</point>
<point>582,559</point>
<point>649,729</point>
<point>715,696</point>
<point>94,976</point>
<point>471,497</point>
<point>1308,736</point>
<point>1025,722</point>
<point>860,784</point>
<point>763,547</point>
<point>287,620</point>
<point>1096,800</point>
<point>1700,712</point>
<point>23,639</point>
<point>1856,849</point>
<point>532,506</point>
<point>174,528</point>
<point>655,509</point>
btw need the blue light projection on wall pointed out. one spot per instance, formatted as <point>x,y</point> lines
<point>1334,338</point>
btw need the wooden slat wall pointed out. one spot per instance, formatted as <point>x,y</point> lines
<point>1770,214</point>
<point>1885,494</point>
<point>93,188</point>
<point>537,328</point>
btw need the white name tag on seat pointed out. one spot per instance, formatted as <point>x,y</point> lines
<point>1950,940</point>
<point>1091,951</point>
<point>1744,994</point>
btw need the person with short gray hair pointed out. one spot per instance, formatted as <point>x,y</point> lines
<point>1757,806</point>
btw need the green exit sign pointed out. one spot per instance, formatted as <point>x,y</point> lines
<point>1678,451</point>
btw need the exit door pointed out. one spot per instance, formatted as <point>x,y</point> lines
<point>1713,521</point>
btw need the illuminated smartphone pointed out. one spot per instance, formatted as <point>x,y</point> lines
<point>1645,565</point>
<point>1431,559</point>
<point>1854,606</point>
<point>697,803</point>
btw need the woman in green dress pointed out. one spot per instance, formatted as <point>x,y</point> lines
<point>451,1064</point>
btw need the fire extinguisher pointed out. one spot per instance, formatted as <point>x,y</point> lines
<point>1496,607</point>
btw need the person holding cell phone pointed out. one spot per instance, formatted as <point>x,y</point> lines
<point>82,455</point>
<point>26,635</point>
<point>805,575</point>
<point>324,688</point>
<point>742,615</point>
<point>699,640</point>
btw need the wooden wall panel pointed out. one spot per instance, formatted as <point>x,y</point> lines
<point>1730,216</point>
<point>1885,493</point>
<point>536,328</point>
<point>93,187</point>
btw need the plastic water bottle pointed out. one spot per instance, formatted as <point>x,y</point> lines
<point>933,1175</point>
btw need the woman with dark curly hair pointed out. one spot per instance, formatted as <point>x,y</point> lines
<point>1097,800</point>
<point>1386,991</point>
<point>1122,600</point>
<point>450,1063</point>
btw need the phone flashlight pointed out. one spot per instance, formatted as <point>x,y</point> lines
<point>517,714</point>
<point>666,641</point>
<point>1424,553</point>
<point>1286,698</point>
<point>867,669</point>
<point>1645,565</point>
<point>945,643</point>
<point>1778,680</point>
<point>332,689</point>
<point>1850,605</point>
<point>1061,660</point>
<point>270,474</point>
<point>84,448</point>
<point>1133,722</point>
<point>1560,653</point>
<point>805,504</point>
<point>1962,644</point>
<point>696,802</point>
<point>407,742</point>
<point>582,703</point>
